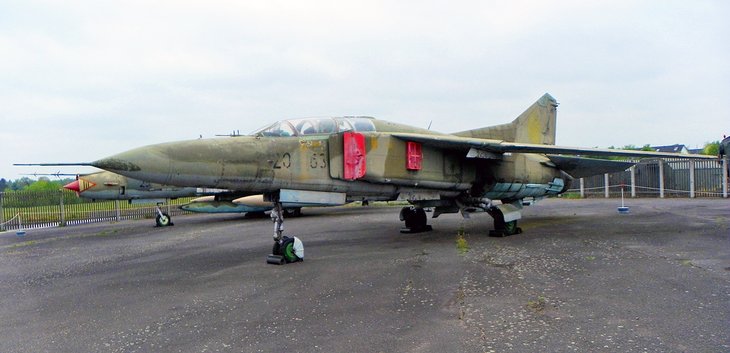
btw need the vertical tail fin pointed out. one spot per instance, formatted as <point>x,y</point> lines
<point>534,125</point>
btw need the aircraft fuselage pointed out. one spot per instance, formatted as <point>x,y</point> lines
<point>261,164</point>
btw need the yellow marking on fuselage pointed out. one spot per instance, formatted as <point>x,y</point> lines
<point>373,143</point>
<point>85,185</point>
<point>309,143</point>
<point>534,130</point>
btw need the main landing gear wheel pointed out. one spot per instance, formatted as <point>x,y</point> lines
<point>415,220</point>
<point>502,228</point>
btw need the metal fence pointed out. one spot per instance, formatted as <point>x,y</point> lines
<point>659,178</point>
<point>37,209</point>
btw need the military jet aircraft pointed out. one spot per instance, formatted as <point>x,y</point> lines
<point>106,185</point>
<point>333,160</point>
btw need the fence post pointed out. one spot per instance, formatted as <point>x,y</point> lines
<point>2,213</point>
<point>661,178</point>
<point>118,211</point>
<point>633,180</point>
<point>724,177</point>
<point>63,211</point>
<point>582,188</point>
<point>691,178</point>
<point>605,184</point>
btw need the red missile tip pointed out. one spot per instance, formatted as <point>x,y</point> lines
<point>73,186</point>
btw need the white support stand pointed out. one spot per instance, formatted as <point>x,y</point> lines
<point>633,180</point>
<point>582,188</point>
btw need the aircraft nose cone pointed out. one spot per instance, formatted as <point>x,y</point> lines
<point>117,165</point>
<point>148,163</point>
<point>73,186</point>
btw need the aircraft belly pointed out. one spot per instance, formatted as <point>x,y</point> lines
<point>220,207</point>
<point>427,184</point>
<point>102,195</point>
<point>503,191</point>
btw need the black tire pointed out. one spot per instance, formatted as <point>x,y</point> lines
<point>163,220</point>
<point>276,250</point>
<point>502,227</point>
<point>420,218</point>
<point>415,218</point>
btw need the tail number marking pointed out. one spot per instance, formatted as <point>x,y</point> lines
<point>283,161</point>
<point>318,160</point>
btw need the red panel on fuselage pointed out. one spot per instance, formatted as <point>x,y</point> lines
<point>414,157</point>
<point>354,151</point>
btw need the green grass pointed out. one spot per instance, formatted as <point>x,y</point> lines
<point>77,211</point>
<point>571,195</point>
<point>461,245</point>
<point>106,233</point>
<point>25,243</point>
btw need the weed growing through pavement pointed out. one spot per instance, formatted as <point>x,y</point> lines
<point>461,243</point>
<point>537,305</point>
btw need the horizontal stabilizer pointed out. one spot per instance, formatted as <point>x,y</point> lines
<point>579,167</point>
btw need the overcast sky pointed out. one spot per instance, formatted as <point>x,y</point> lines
<point>80,81</point>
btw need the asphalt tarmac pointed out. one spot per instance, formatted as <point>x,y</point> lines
<point>581,278</point>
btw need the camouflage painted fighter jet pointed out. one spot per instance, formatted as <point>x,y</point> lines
<point>106,185</point>
<point>330,161</point>
<point>110,186</point>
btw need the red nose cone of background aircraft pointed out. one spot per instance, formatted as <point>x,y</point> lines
<point>73,186</point>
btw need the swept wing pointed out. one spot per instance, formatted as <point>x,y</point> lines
<point>497,146</point>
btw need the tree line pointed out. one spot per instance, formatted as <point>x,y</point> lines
<point>28,184</point>
<point>26,192</point>
<point>710,148</point>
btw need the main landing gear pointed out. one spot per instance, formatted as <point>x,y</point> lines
<point>415,220</point>
<point>502,228</point>
<point>286,249</point>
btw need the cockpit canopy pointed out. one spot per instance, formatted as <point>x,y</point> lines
<point>316,126</point>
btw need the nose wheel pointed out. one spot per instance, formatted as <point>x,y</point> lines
<point>285,249</point>
<point>162,219</point>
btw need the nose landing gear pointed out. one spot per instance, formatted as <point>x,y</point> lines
<point>285,249</point>
<point>162,219</point>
